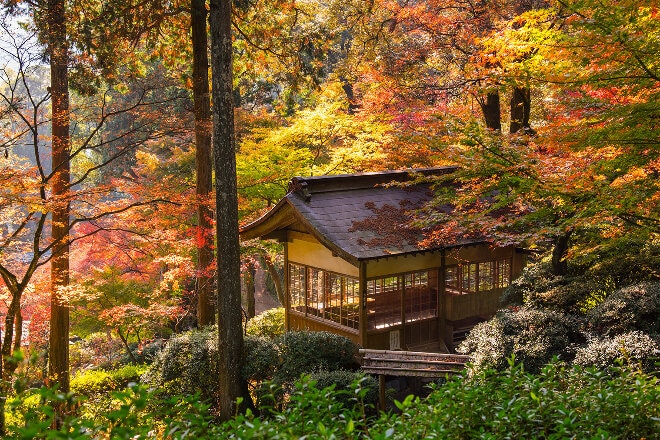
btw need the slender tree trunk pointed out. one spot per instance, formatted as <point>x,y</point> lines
<point>9,337</point>
<point>490,107</point>
<point>7,366</point>
<point>61,143</point>
<point>203,129</point>
<point>559,251</point>
<point>18,330</point>
<point>520,109</point>
<point>277,280</point>
<point>230,334</point>
<point>128,348</point>
<point>250,288</point>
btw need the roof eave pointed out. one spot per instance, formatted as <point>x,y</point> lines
<point>267,223</point>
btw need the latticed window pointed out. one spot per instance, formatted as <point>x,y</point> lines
<point>503,273</point>
<point>326,295</point>
<point>351,303</point>
<point>315,303</point>
<point>478,277</point>
<point>421,299</point>
<point>297,289</point>
<point>487,280</point>
<point>384,299</point>
<point>333,289</point>
<point>383,303</point>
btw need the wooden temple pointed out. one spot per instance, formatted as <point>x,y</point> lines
<point>357,266</point>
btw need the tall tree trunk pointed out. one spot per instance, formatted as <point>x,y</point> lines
<point>7,364</point>
<point>18,330</point>
<point>203,129</point>
<point>520,109</point>
<point>490,107</point>
<point>277,280</point>
<point>559,251</point>
<point>230,334</point>
<point>250,288</point>
<point>61,144</point>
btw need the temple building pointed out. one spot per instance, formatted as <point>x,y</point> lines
<point>357,265</point>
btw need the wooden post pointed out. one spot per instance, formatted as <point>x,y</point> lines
<point>287,288</point>
<point>442,308</point>
<point>381,392</point>
<point>362,277</point>
<point>401,281</point>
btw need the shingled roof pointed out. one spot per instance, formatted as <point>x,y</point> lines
<point>357,216</point>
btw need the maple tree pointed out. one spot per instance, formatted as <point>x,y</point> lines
<point>25,246</point>
<point>589,175</point>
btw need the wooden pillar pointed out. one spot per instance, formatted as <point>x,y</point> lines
<point>287,288</point>
<point>442,308</point>
<point>401,280</point>
<point>382,402</point>
<point>362,277</point>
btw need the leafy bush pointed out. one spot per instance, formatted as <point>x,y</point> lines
<point>134,412</point>
<point>343,380</point>
<point>626,260</point>
<point>635,348</point>
<point>631,308</point>
<point>269,324</point>
<point>538,287</point>
<point>311,413</point>
<point>557,403</point>
<point>187,364</point>
<point>96,350</point>
<point>94,382</point>
<point>595,272</point>
<point>307,352</point>
<point>261,358</point>
<point>533,336</point>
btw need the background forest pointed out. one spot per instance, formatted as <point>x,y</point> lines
<point>551,109</point>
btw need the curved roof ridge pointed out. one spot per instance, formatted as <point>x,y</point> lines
<point>306,186</point>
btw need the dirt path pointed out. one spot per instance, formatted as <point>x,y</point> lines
<point>263,300</point>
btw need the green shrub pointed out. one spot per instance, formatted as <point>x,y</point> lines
<point>18,406</point>
<point>557,403</point>
<point>187,364</point>
<point>307,352</point>
<point>269,324</point>
<point>131,413</point>
<point>94,382</point>
<point>533,336</point>
<point>631,308</point>
<point>538,287</point>
<point>312,412</point>
<point>261,358</point>
<point>634,348</point>
<point>343,380</point>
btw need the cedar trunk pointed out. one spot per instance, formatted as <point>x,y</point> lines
<point>203,129</point>
<point>58,354</point>
<point>230,332</point>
